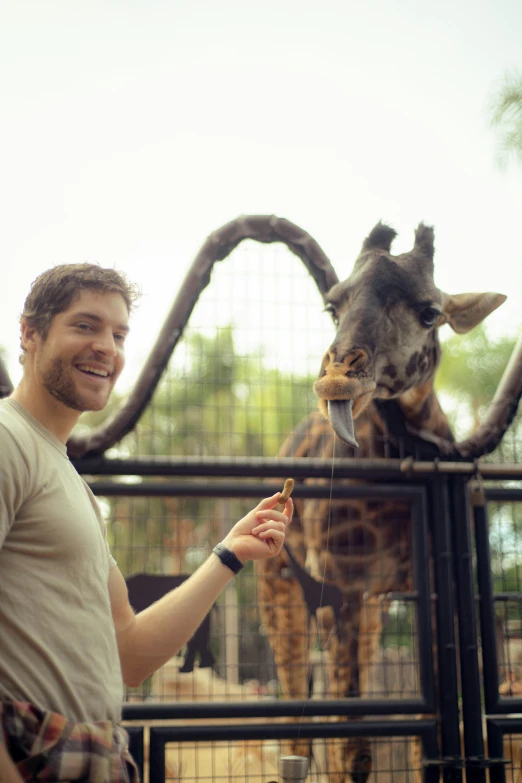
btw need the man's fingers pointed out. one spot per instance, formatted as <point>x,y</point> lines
<point>273,513</point>
<point>276,516</point>
<point>278,535</point>
<point>268,502</point>
<point>274,538</point>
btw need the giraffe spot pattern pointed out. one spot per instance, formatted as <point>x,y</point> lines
<point>412,365</point>
<point>390,370</point>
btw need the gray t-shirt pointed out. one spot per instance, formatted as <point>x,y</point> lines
<point>57,640</point>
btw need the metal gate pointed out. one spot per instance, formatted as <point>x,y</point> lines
<point>459,714</point>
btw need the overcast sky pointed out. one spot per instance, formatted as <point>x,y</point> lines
<point>132,129</point>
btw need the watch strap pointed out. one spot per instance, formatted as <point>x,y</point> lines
<point>228,558</point>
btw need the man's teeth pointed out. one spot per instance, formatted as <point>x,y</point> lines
<point>95,370</point>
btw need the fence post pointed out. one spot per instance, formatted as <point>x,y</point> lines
<point>468,635</point>
<point>445,626</point>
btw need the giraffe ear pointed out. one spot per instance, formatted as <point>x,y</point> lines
<point>464,311</point>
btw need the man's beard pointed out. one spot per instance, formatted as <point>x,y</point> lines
<point>58,382</point>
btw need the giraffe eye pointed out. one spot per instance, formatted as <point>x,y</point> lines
<point>329,308</point>
<point>428,316</point>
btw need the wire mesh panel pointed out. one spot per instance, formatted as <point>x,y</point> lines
<point>171,537</point>
<point>505,531</point>
<point>513,756</point>
<point>241,377</point>
<point>505,747</point>
<point>257,761</point>
<point>232,659</point>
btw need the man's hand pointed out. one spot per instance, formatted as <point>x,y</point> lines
<point>261,533</point>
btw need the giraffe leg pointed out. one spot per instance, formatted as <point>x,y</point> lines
<point>416,758</point>
<point>349,760</point>
<point>285,617</point>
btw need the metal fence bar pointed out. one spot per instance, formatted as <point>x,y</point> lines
<point>298,467</point>
<point>430,752</point>
<point>486,605</point>
<point>294,731</point>
<point>468,647</point>
<point>448,700</point>
<point>497,772</point>
<point>503,495</point>
<point>251,489</point>
<point>278,708</point>
<point>419,522</point>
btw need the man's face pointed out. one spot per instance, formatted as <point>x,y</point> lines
<point>81,358</point>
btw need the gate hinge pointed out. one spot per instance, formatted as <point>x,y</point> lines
<point>477,495</point>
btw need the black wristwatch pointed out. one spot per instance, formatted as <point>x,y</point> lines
<point>228,558</point>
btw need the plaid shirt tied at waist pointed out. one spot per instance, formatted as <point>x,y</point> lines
<point>45,746</point>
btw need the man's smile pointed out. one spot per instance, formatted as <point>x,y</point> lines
<point>94,371</point>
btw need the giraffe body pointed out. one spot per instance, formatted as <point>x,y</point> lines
<point>386,347</point>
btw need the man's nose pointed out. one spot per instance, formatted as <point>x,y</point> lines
<point>105,343</point>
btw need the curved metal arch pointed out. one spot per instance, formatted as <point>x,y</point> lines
<point>218,245</point>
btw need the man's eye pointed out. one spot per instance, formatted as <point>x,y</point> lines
<point>120,338</point>
<point>84,327</point>
<point>329,308</point>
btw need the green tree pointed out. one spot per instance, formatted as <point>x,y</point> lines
<point>470,371</point>
<point>506,116</point>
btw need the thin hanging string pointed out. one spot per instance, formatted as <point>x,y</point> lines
<point>323,578</point>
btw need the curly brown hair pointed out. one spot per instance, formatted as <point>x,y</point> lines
<point>53,291</point>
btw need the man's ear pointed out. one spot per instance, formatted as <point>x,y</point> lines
<point>464,311</point>
<point>28,336</point>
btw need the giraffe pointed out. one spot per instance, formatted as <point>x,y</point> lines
<point>387,314</point>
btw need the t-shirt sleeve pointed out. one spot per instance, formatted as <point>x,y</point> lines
<point>103,527</point>
<point>14,481</point>
<point>112,561</point>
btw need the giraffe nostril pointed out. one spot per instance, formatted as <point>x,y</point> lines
<point>356,359</point>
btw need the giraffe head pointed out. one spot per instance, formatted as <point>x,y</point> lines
<point>387,313</point>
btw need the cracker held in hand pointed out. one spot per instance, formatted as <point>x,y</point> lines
<point>287,491</point>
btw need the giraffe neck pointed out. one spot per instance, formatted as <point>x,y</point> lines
<point>422,410</point>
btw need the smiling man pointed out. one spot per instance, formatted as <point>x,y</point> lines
<point>69,638</point>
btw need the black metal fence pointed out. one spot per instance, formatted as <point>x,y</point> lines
<point>460,669</point>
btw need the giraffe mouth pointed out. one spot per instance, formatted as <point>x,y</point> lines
<point>342,413</point>
<point>342,398</point>
<point>341,419</point>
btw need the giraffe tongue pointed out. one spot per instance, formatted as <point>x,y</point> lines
<point>340,413</point>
